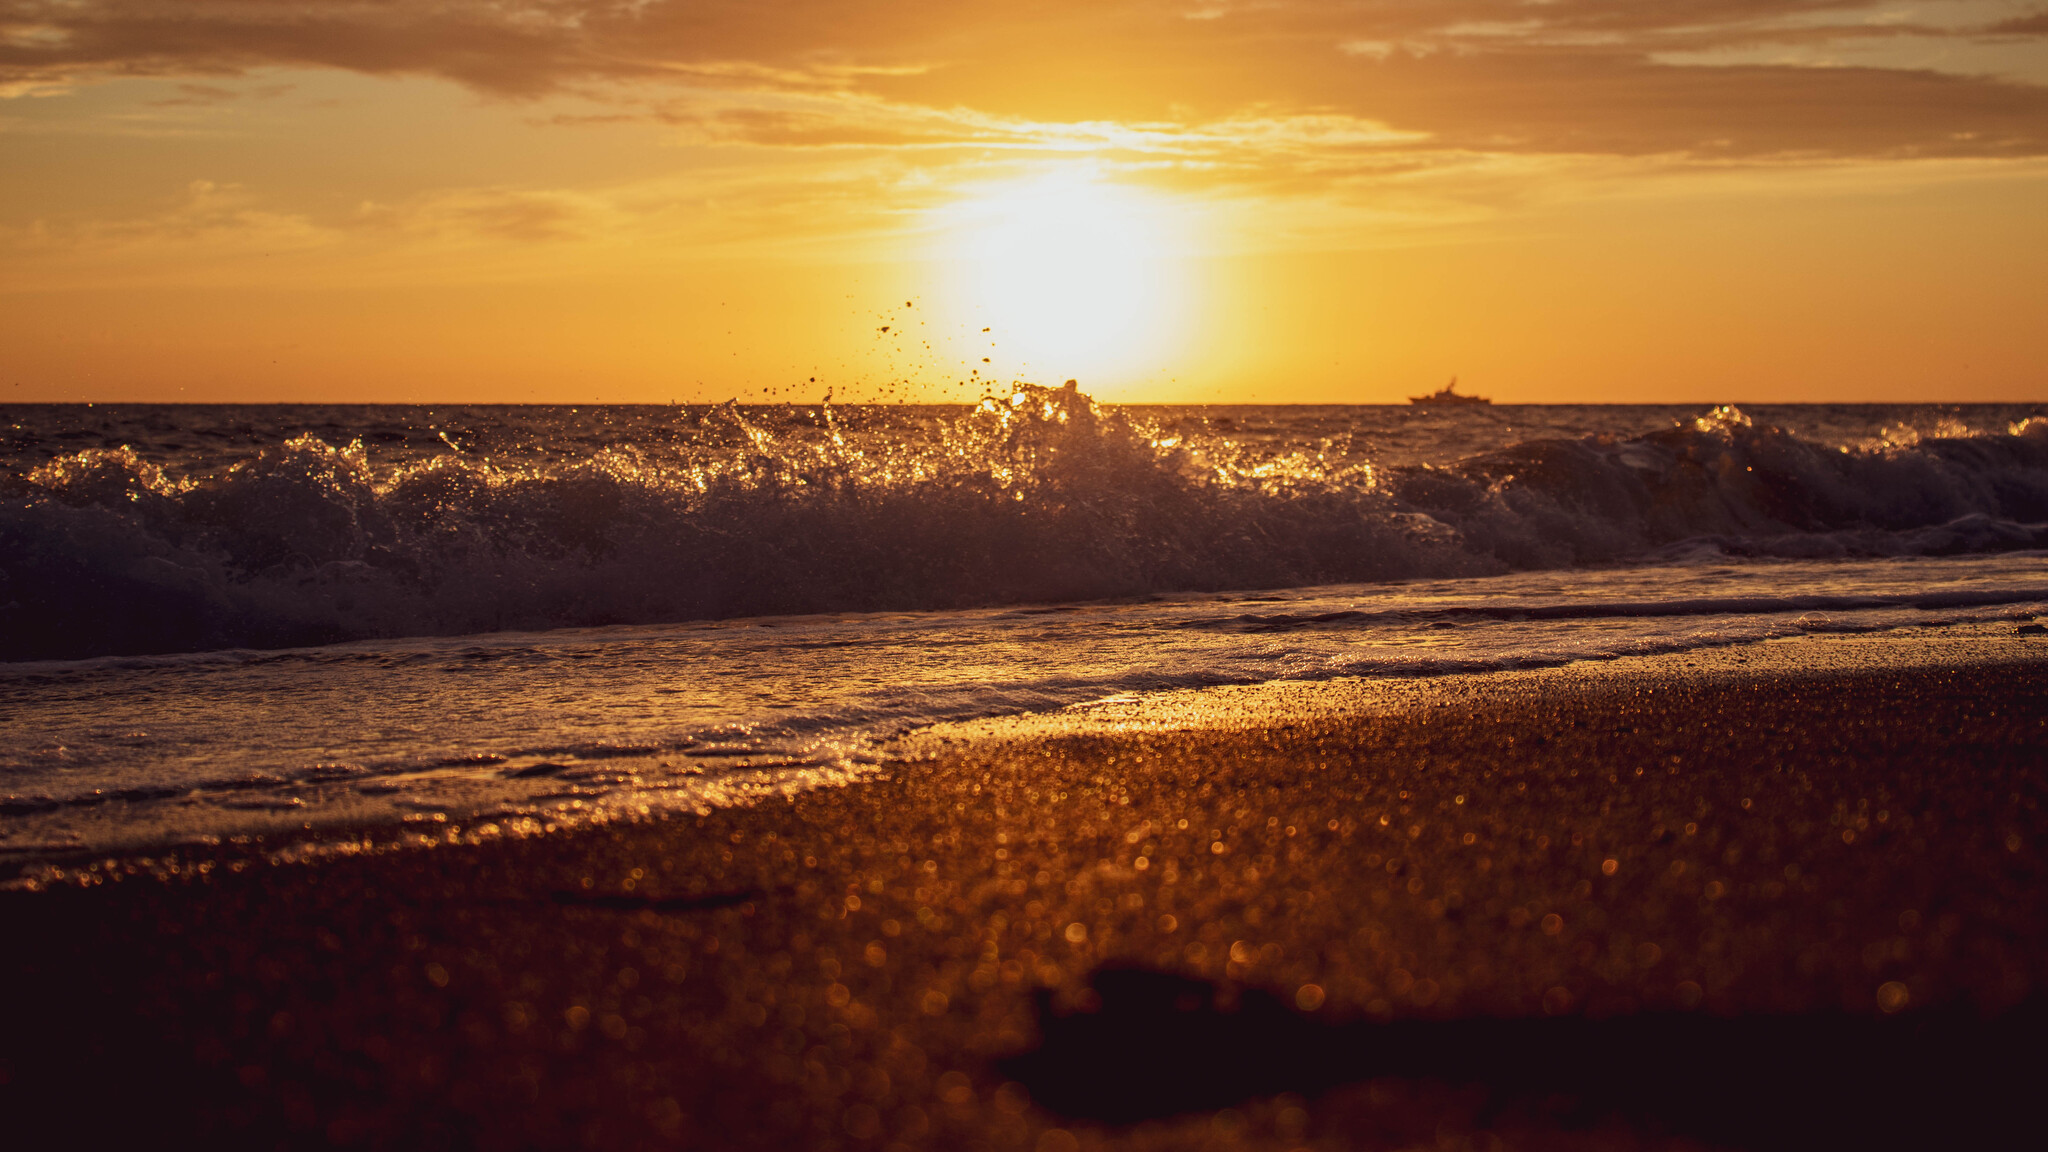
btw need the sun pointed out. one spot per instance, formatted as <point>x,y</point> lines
<point>1074,276</point>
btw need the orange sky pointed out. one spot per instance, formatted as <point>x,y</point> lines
<point>652,200</point>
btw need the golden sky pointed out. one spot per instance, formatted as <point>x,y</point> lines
<point>1290,200</point>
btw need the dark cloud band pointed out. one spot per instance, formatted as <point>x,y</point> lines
<point>1585,76</point>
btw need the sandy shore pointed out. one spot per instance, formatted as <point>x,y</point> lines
<point>1788,895</point>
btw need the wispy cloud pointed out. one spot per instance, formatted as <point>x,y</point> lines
<point>1569,76</point>
<point>2035,25</point>
<point>815,125</point>
<point>196,95</point>
<point>218,220</point>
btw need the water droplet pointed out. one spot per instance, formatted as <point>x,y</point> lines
<point>1893,996</point>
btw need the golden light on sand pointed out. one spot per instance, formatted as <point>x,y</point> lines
<point>1073,275</point>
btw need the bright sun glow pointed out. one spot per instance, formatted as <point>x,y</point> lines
<point>1075,277</point>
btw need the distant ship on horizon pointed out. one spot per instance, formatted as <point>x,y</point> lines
<point>1449,395</point>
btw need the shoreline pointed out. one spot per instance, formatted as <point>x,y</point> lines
<point>1822,829</point>
<point>1228,707</point>
<point>474,810</point>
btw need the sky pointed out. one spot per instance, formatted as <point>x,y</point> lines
<point>577,201</point>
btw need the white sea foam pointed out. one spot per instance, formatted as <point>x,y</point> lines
<point>1040,496</point>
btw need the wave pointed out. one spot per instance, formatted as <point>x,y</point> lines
<point>1622,609</point>
<point>1037,496</point>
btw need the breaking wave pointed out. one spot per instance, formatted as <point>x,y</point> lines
<point>1038,496</point>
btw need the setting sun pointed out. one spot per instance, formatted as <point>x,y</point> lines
<point>1072,275</point>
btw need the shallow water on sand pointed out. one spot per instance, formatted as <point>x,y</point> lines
<point>583,722</point>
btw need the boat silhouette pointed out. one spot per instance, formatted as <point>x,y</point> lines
<point>1449,395</point>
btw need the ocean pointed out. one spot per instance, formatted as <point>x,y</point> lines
<point>217,621</point>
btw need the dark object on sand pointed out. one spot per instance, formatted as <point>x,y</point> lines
<point>629,902</point>
<point>1448,395</point>
<point>1155,1044</point>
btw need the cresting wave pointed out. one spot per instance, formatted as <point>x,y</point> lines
<point>1039,496</point>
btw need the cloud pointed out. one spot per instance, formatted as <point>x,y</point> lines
<point>2021,26</point>
<point>196,95</point>
<point>218,219</point>
<point>501,214</point>
<point>1569,76</point>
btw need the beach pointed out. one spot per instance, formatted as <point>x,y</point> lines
<point>1124,926</point>
<point>901,577</point>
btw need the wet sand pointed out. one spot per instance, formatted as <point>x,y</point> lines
<point>1789,895</point>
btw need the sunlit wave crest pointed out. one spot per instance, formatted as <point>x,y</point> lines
<point>1035,494</point>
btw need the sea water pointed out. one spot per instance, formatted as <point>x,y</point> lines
<point>220,618</point>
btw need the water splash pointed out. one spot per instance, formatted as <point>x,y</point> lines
<point>1034,494</point>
